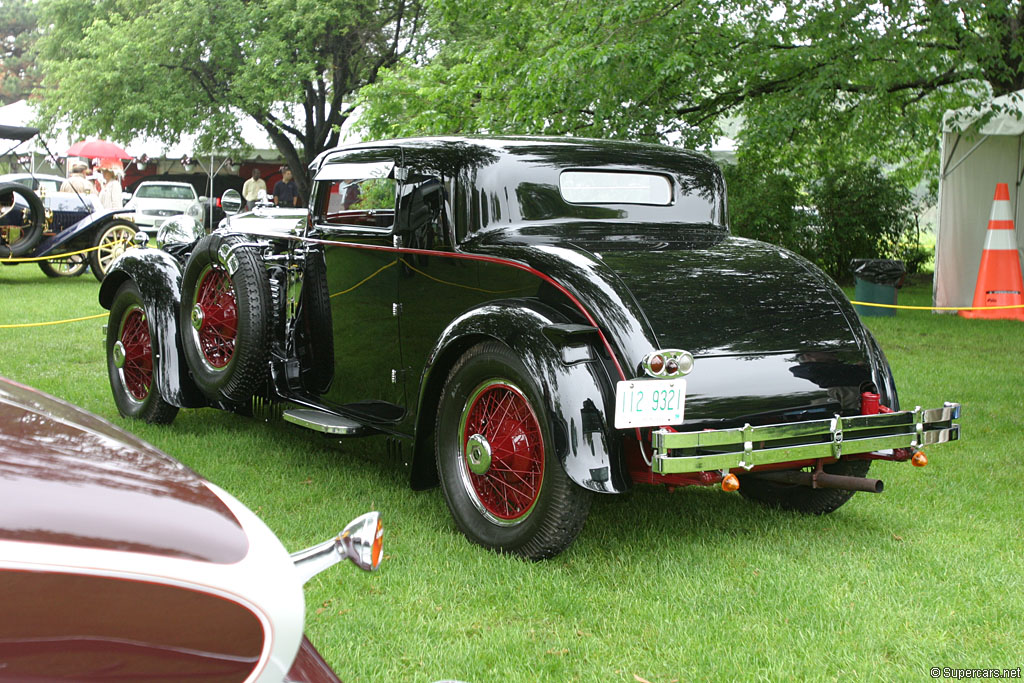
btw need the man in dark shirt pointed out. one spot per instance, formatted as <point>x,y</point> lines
<point>286,192</point>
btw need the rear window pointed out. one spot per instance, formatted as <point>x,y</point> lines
<point>166,192</point>
<point>613,187</point>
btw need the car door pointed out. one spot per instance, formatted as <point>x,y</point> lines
<point>353,211</point>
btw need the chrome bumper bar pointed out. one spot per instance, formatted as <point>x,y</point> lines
<point>748,447</point>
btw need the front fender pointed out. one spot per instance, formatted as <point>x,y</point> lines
<point>157,274</point>
<point>564,360</point>
<point>79,231</point>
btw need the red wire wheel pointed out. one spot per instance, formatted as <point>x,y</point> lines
<point>137,370</point>
<point>503,452</point>
<point>133,366</point>
<point>215,317</point>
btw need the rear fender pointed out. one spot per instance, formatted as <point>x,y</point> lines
<point>563,359</point>
<point>81,232</point>
<point>158,277</point>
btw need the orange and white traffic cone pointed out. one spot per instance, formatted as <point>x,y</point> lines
<point>999,275</point>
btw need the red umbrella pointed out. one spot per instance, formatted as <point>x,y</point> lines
<point>98,149</point>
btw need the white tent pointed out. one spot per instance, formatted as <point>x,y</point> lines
<point>22,113</point>
<point>975,157</point>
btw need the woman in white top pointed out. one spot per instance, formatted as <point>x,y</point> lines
<point>110,195</point>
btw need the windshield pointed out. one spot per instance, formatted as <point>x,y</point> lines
<point>165,192</point>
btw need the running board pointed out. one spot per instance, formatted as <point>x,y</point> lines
<point>327,423</point>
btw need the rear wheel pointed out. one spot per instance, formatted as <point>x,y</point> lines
<point>68,266</point>
<point>804,498</point>
<point>110,242</point>
<point>132,364</point>
<point>500,475</point>
<point>20,229</point>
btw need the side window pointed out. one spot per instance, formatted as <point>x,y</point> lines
<point>361,194</point>
<point>368,202</point>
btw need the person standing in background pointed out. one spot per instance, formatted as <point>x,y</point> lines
<point>286,192</point>
<point>251,188</point>
<point>110,195</point>
<point>77,182</point>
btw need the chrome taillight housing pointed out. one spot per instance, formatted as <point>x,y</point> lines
<point>667,363</point>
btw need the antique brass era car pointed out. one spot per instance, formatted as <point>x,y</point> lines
<point>524,320</point>
<point>64,232</point>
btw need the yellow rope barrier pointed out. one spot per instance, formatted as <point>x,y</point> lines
<point>62,255</point>
<point>938,308</point>
<point>54,322</point>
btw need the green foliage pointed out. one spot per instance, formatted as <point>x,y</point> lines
<point>124,67</point>
<point>18,32</point>
<point>863,214</point>
<point>766,205</point>
<point>851,211</point>
<point>833,80</point>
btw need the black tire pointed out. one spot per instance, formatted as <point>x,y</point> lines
<point>545,514</point>
<point>69,266</point>
<point>225,320</point>
<point>315,328</point>
<point>801,498</point>
<point>111,239</point>
<point>132,363</point>
<point>29,230</point>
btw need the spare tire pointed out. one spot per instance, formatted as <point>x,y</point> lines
<point>20,229</point>
<point>225,319</point>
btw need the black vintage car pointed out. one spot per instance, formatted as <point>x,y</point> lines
<point>524,321</point>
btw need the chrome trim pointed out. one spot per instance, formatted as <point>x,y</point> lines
<point>750,446</point>
<point>478,454</point>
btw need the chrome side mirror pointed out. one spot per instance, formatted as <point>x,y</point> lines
<point>361,542</point>
<point>231,202</point>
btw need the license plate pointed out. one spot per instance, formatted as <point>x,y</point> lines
<point>649,402</point>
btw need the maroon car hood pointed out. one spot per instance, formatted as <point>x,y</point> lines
<point>67,477</point>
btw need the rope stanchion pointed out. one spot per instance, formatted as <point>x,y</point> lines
<point>53,322</point>
<point>937,308</point>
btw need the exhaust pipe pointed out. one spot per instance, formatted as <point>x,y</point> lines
<point>824,480</point>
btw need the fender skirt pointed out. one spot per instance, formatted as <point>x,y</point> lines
<point>158,276</point>
<point>564,359</point>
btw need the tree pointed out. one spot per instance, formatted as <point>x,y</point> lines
<point>18,32</point>
<point>166,67</point>
<point>812,81</point>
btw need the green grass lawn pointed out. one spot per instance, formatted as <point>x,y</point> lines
<point>696,584</point>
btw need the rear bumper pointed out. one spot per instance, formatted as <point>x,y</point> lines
<point>747,447</point>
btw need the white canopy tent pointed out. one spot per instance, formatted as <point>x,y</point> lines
<point>975,157</point>
<point>22,113</point>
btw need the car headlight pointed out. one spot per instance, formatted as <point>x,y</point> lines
<point>195,210</point>
<point>181,229</point>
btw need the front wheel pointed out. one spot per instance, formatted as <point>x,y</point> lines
<point>68,266</point>
<point>110,242</point>
<point>501,478</point>
<point>132,363</point>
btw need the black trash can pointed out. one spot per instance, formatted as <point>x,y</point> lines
<point>876,282</point>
